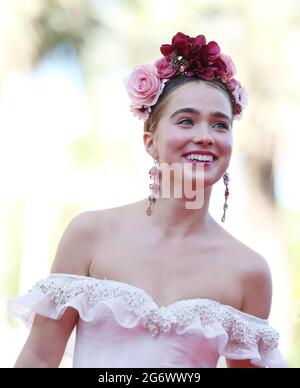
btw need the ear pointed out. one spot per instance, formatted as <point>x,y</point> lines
<point>150,144</point>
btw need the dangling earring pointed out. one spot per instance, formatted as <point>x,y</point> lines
<point>226,194</point>
<point>154,187</point>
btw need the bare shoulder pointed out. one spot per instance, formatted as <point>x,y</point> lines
<point>257,287</point>
<point>83,235</point>
<point>251,262</point>
<point>111,218</point>
<point>74,250</point>
<point>255,278</point>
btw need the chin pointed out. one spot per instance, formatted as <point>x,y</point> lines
<point>208,181</point>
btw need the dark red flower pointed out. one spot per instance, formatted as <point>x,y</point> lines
<point>196,45</point>
<point>212,48</point>
<point>219,68</point>
<point>180,45</point>
<point>198,55</point>
<point>204,72</point>
<point>198,42</point>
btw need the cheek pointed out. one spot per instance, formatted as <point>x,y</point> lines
<point>172,141</point>
<point>177,141</point>
<point>225,144</point>
<point>228,148</point>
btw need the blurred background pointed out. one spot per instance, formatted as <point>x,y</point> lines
<point>68,142</point>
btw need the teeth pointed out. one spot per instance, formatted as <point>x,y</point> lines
<point>200,158</point>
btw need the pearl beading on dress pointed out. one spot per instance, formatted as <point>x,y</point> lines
<point>241,328</point>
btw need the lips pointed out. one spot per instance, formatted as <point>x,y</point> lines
<point>204,158</point>
<point>198,152</point>
<point>203,163</point>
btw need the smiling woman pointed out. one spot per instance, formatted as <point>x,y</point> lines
<point>174,289</point>
<point>185,129</point>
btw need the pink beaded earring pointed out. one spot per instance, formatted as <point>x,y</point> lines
<point>154,187</point>
<point>226,194</point>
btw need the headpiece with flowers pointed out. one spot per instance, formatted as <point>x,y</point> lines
<point>192,57</point>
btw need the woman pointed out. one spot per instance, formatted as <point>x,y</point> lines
<point>159,283</point>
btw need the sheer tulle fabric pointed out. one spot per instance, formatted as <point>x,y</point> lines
<point>120,325</point>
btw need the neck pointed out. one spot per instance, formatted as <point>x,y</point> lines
<point>173,219</point>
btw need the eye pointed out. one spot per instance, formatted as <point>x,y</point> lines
<point>185,121</point>
<point>221,125</point>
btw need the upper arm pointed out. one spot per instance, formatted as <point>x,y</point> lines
<point>257,297</point>
<point>48,337</point>
<point>47,341</point>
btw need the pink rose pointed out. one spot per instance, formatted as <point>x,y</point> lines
<point>140,111</point>
<point>240,96</point>
<point>165,68</point>
<point>230,67</point>
<point>144,85</point>
<point>239,93</point>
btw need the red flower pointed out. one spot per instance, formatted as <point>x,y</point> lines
<point>165,69</point>
<point>202,63</point>
<point>198,42</point>
<point>180,45</point>
<point>211,49</point>
<point>198,55</point>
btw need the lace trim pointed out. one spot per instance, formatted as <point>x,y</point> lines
<point>241,330</point>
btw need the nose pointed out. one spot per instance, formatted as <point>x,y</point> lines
<point>203,136</point>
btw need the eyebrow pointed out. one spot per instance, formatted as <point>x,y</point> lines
<point>185,110</point>
<point>197,112</point>
<point>220,114</point>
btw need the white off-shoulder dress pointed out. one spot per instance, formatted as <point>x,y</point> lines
<point>121,326</point>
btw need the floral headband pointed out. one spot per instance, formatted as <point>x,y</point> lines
<point>189,56</point>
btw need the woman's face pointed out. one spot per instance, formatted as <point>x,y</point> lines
<point>196,121</point>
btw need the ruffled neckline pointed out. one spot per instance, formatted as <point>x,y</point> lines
<point>169,306</point>
<point>237,335</point>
